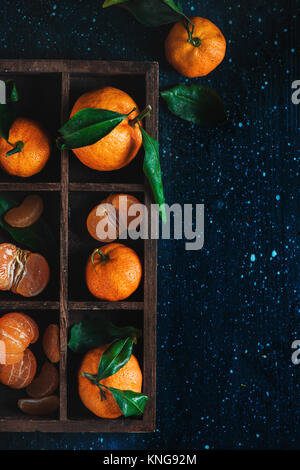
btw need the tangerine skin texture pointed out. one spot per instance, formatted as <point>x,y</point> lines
<point>35,153</point>
<point>193,61</point>
<point>118,277</point>
<point>20,374</point>
<point>120,146</point>
<point>17,331</point>
<point>128,377</point>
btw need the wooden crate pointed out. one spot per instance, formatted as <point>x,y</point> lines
<point>48,90</point>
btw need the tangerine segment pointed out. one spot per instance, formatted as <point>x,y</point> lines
<point>35,153</point>
<point>46,383</point>
<point>21,374</point>
<point>39,406</point>
<point>117,219</point>
<point>114,272</point>
<point>7,262</point>
<point>51,343</point>
<point>17,331</point>
<point>129,377</point>
<point>35,278</point>
<point>27,213</point>
<point>121,145</point>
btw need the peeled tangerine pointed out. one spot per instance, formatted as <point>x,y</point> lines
<point>17,331</point>
<point>21,271</point>
<point>21,374</point>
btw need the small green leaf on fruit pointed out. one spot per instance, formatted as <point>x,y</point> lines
<point>88,126</point>
<point>115,357</point>
<point>130,403</point>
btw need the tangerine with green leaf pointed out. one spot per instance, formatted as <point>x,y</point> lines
<point>129,377</point>
<point>119,147</point>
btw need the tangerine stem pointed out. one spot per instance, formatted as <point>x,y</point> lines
<point>103,258</point>
<point>195,41</point>
<point>141,116</point>
<point>18,147</point>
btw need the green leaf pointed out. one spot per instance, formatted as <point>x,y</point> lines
<point>151,12</point>
<point>151,168</point>
<point>195,103</point>
<point>87,127</point>
<point>38,237</point>
<point>8,111</point>
<point>109,3</point>
<point>130,403</point>
<point>115,357</point>
<point>94,332</point>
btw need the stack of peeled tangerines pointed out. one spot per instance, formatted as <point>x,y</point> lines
<point>18,364</point>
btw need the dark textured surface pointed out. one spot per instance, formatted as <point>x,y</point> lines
<point>227,315</point>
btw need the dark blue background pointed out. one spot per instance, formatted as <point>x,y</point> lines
<point>225,323</point>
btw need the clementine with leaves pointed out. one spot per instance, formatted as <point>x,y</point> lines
<point>121,145</point>
<point>129,377</point>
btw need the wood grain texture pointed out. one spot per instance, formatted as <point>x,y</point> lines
<point>148,73</point>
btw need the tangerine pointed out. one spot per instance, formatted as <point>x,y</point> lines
<point>20,374</point>
<point>197,51</point>
<point>129,377</point>
<point>113,272</point>
<point>17,331</point>
<point>121,145</point>
<point>121,204</point>
<point>21,271</point>
<point>35,148</point>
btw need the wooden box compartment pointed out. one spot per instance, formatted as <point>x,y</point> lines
<point>81,244</point>
<point>8,396</point>
<point>48,90</point>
